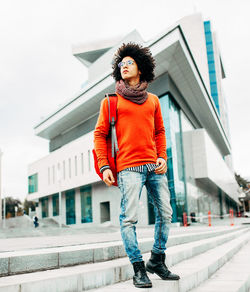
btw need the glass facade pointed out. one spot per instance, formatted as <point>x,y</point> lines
<point>45,207</point>
<point>211,64</point>
<point>86,204</point>
<point>55,203</point>
<point>175,174</point>
<point>33,183</point>
<point>70,207</point>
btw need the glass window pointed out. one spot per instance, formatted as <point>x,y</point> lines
<point>86,204</point>
<point>210,57</point>
<point>33,183</point>
<point>175,162</point>
<point>55,202</point>
<point>211,65</point>
<point>45,207</point>
<point>70,207</point>
<point>210,47</point>
<point>212,76</point>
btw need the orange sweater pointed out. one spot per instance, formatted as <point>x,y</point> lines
<point>139,129</point>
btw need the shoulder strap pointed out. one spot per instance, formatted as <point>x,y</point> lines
<point>112,104</point>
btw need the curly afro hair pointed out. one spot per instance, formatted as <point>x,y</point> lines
<point>142,57</point>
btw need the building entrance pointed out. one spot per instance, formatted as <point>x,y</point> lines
<point>105,211</point>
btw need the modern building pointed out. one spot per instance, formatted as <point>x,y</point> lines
<point>189,74</point>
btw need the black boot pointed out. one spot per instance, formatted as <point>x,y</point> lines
<point>156,264</point>
<point>140,279</point>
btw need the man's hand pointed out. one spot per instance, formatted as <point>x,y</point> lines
<point>162,166</point>
<point>108,177</point>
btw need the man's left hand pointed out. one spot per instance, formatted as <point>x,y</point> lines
<point>161,166</point>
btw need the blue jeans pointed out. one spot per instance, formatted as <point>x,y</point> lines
<point>130,184</point>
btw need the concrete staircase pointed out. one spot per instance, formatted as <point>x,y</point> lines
<point>195,256</point>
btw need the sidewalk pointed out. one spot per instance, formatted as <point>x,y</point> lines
<point>56,237</point>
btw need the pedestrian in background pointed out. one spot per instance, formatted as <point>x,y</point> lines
<point>35,221</point>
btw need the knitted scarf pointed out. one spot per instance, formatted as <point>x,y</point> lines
<point>136,94</point>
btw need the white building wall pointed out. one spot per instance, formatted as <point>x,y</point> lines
<point>60,165</point>
<point>221,95</point>
<point>203,161</point>
<point>193,29</point>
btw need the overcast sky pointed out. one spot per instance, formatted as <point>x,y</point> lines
<point>38,71</point>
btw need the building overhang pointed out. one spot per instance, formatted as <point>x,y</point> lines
<point>90,52</point>
<point>172,55</point>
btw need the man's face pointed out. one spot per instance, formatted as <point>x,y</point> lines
<point>129,69</point>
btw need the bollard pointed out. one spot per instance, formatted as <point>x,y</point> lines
<point>231,212</point>
<point>184,219</point>
<point>209,218</point>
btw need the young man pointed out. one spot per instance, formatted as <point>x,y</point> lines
<point>141,159</point>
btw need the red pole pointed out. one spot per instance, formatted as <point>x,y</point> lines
<point>209,218</point>
<point>184,219</point>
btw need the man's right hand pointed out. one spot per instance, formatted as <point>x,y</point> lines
<point>108,177</point>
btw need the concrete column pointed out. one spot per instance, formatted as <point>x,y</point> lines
<point>78,206</point>
<point>50,207</point>
<point>60,209</point>
<point>63,208</point>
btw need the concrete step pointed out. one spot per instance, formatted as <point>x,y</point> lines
<point>26,261</point>
<point>198,269</point>
<point>234,276</point>
<point>89,276</point>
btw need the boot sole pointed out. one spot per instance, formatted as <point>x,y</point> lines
<point>143,286</point>
<point>168,279</point>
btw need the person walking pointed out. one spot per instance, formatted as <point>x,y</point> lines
<point>35,221</point>
<point>141,159</point>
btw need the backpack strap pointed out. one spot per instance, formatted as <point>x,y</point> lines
<point>112,104</point>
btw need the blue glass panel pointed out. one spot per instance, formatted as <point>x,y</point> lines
<point>210,57</point>
<point>55,203</point>
<point>211,65</point>
<point>86,204</point>
<point>210,47</point>
<point>175,173</point>
<point>45,207</point>
<point>212,78</point>
<point>70,207</point>
<point>33,183</point>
